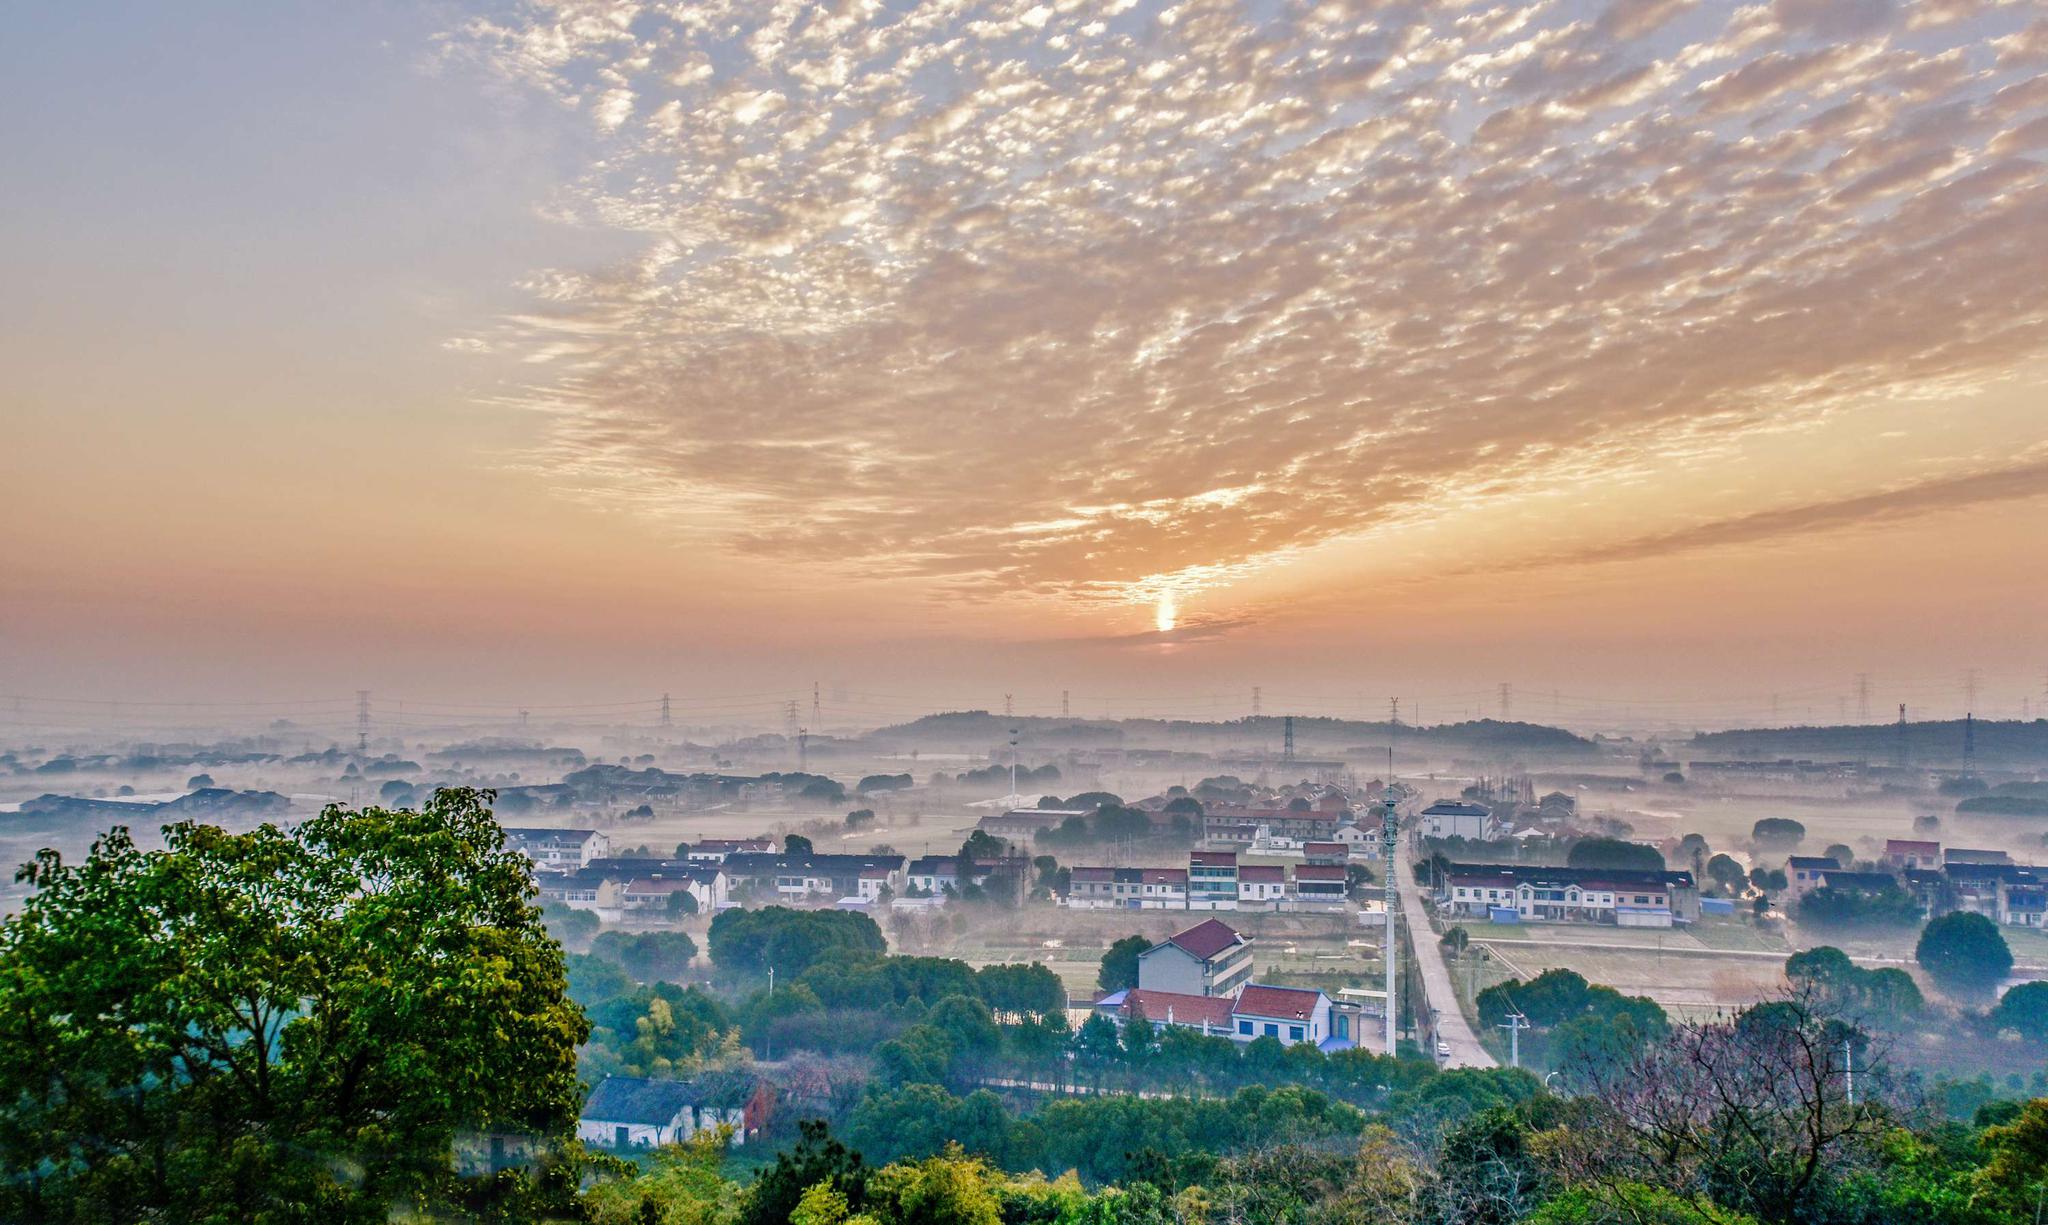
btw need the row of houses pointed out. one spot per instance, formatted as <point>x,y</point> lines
<point>1517,893</point>
<point>1215,880</point>
<point>1969,879</point>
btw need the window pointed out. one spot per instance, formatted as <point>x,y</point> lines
<point>1294,1032</point>
<point>1244,1027</point>
<point>1272,1029</point>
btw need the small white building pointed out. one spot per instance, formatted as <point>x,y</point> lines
<point>629,1112</point>
<point>1458,819</point>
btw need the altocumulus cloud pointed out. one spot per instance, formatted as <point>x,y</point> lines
<point>1075,297</point>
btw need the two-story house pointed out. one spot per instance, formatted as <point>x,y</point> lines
<point>1210,958</point>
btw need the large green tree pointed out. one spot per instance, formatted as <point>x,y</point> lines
<point>1963,952</point>
<point>279,1025</point>
<point>1120,964</point>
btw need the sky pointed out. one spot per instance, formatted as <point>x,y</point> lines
<point>1643,356</point>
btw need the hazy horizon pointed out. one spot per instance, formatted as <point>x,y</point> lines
<point>1662,356</point>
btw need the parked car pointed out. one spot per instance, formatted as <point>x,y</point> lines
<point>1443,1049</point>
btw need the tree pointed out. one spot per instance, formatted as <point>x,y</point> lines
<point>1027,990</point>
<point>1777,833</point>
<point>750,941</point>
<point>796,846</point>
<point>681,903</point>
<point>2025,1009</point>
<point>1455,940</point>
<point>815,1160</point>
<point>1727,873</point>
<point>1120,964</point>
<point>1890,906</point>
<point>1768,880</point>
<point>648,956</point>
<point>572,928</point>
<point>1614,853</point>
<point>1963,952</point>
<point>218,1029</point>
<point>1840,853</point>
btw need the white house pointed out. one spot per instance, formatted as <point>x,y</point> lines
<point>627,1112</point>
<point>559,848</point>
<point>1364,843</point>
<point>1458,819</point>
<point>1260,886</point>
<point>1290,1014</point>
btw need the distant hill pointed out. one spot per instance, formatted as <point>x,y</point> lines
<point>976,730</point>
<point>1935,743</point>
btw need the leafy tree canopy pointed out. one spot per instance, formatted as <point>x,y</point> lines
<point>242,1026</point>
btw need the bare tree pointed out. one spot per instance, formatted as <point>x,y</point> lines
<point>1754,1112</point>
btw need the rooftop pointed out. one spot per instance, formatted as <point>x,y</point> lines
<point>1279,1003</point>
<point>1206,939</point>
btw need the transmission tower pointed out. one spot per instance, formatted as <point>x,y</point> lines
<point>664,711</point>
<point>1507,700</point>
<point>1863,697</point>
<point>1970,689</point>
<point>1065,710</point>
<point>789,717</point>
<point>803,750</point>
<point>1394,711</point>
<point>1969,740</point>
<point>1287,739</point>
<point>1899,747</point>
<point>817,718</point>
<point>363,722</point>
<point>1258,701</point>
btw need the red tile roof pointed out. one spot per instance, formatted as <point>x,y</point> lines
<point>1262,873</point>
<point>1193,1010</point>
<point>1277,1003</point>
<point>1206,939</point>
<point>1319,871</point>
<point>1213,859</point>
<point>1165,876</point>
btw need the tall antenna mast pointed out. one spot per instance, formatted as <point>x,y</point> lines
<point>1390,833</point>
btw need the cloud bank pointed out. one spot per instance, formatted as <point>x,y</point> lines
<point>1099,299</point>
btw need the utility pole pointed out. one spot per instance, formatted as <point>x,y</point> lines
<point>1013,762</point>
<point>1390,834</point>
<point>523,713</point>
<point>1515,1024</point>
<point>1008,709</point>
<point>1899,749</point>
<point>363,722</point>
<point>803,750</point>
<point>1969,740</point>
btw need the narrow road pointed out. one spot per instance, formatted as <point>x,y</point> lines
<point>1451,1026</point>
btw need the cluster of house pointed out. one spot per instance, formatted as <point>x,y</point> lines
<point>1517,893</point>
<point>1982,882</point>
<point>1547,817</point>
<point>574,868</point>
<point>1201,979</point>
<point>1215,880</point>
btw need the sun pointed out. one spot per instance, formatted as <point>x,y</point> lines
<point>1164,617</point>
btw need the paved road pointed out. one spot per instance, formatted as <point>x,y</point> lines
<point>1452,1027</point>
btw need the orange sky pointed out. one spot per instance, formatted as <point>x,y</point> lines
<point>1648,353</point>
